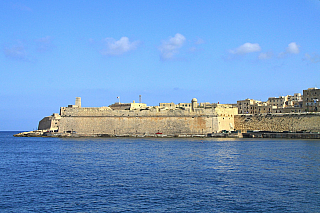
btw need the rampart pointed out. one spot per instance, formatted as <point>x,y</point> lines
<point>153,120</point>
<point>279,122</point>
<point>50,122</point>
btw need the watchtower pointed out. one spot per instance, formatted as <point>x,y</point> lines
<point>194,103</point>
<point>78,101</point>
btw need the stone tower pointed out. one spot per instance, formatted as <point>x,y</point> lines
<point>194,103</point>
<point>78,101</point>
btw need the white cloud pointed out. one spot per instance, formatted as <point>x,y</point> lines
<point>17,52</point>
<point>44,44</point>
<point>199,41</point>
<point>193,49</point>
<point>170,47</point>
<point>116,48</point>
<point>196,47</point>
<point>246,48</point>
<point>267,55</point>
<point>293,48</point>
<point>314,58</point>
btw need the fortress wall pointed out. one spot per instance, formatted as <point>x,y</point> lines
<point>139,125</point>
<point>104,120</point>
<point>45,123</point>
<point>50,122</point>
<point>225,123</point>
<point>279,122</point>
<point>226,118</point>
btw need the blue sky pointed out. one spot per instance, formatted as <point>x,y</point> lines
<point>165,51</point>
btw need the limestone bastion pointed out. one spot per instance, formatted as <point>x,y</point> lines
<point>140,119</point>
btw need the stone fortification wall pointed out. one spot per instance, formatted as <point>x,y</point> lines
<point>225,116</point>
<point>138,125</point>
<point>103,120</point>
<point>50,122</point>
<point>45,123</point>
<point>279,122</point>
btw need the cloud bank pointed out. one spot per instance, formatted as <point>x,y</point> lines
<point>118,47</point>
<point>292,48</point>
<point>169,48</point>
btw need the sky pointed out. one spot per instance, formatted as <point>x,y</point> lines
<point>165,51</point>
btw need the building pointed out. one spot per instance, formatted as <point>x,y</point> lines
<point>279,102</point>
<point>246,106</point>
<point>128,106</point>
<point>311,99</point>
<point>263,107</point>
<point>167,105</point>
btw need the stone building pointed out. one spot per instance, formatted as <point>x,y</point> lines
<point>184,105</point>
<point>246,106</point>
<point>311,98</point>
<point>263,107</point>
<point>167,105</point>
<point>127,106</point>
<point>279,102</point>
<point>293,100</point>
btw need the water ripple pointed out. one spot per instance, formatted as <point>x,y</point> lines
<point>158,175</point>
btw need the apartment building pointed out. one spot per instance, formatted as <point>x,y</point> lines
<point>311,99</point>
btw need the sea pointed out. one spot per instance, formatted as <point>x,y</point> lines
<point>158,174</point>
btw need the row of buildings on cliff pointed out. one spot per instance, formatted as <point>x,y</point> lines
<point>308,101</point>
<point>297,103</point>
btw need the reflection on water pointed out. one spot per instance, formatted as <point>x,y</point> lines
<point>165,175</point>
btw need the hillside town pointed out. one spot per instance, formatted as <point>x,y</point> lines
<point>307,102</point>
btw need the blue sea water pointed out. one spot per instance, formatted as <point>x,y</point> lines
<point>158,175</point>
